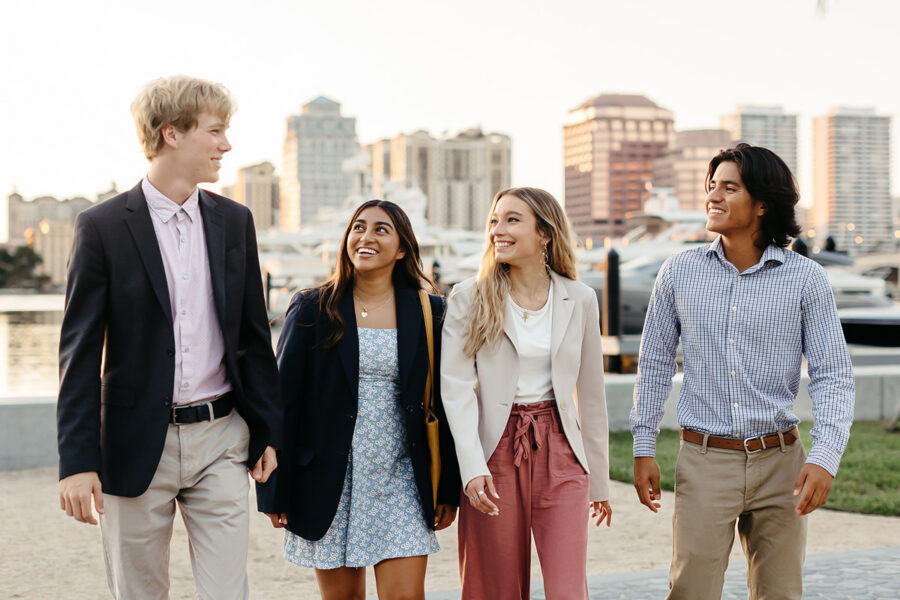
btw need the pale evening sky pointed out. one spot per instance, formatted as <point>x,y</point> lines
<point>69,70</point>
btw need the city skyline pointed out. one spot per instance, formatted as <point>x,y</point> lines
<point>519,68</point>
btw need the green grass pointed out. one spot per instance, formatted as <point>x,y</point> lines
<point>868,480</point>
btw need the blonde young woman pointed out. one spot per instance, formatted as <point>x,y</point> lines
<point>522,383</point>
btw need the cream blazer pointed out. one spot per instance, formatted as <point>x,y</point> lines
<point>478,392</point>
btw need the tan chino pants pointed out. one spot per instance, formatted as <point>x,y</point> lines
<point>716,487</point>
<point>203,470</point>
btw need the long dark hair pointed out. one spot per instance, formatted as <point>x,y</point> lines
<point>407,271</point>
<point>770,181</point>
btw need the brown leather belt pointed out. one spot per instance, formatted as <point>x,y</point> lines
<point>749,445</point>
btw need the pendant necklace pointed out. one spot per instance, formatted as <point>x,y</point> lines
<point>365,311</point>
<point>525,311</point>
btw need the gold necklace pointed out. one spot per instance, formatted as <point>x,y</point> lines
<point>518,305</point>
<point>365,311</point>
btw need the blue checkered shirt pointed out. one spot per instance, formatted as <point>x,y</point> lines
<point>742,337</point>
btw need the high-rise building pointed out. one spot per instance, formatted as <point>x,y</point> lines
<point>766,126</point>
<point>610,144</point>
<point>852,179</point>
<point>25,216</point>
<point>256,188</point>
<point>458,174</point>
<point>685,166</point>
<point>315,147</point>
<point>472,168</point>
<point>407,160</point>
<point>48,226</point>
<point>52,240</point>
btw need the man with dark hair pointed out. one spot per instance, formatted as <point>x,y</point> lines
<point>168,384</point>
<point>746,310</point>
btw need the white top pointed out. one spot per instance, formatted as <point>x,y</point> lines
<point>533,340</point>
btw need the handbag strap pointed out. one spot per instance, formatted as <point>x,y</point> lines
<point>429,337</point>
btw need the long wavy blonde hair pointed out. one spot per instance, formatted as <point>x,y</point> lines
<point>492,283</point>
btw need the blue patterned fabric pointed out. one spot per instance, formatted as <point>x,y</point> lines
<point>743,336</point>
<point>379,515</point>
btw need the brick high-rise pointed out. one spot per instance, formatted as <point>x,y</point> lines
<point>610,144</point>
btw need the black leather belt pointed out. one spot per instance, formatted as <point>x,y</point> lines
<point>195,413</point>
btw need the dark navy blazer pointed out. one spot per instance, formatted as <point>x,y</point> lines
<point>117,346</point>
<point>320,387</point>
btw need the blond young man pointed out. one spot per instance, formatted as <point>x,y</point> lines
<point>168,384</point>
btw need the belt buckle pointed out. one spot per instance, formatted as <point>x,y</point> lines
<point>762,445</point>
<point>175,416</point>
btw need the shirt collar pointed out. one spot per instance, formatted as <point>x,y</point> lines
<point>164,208</point>
<point>771,253</point>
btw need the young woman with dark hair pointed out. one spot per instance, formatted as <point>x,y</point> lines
<point>354,486</point>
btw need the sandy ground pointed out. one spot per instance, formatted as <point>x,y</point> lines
<point>44,554</point>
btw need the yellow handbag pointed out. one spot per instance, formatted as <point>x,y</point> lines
<point>431,422</point>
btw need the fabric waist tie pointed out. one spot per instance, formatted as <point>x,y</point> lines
<point>526,416</point>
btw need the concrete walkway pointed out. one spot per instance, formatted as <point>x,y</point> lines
<point>853,575</point>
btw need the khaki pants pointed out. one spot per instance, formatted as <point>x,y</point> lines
<point>203,470</point>
<point>716,487</point>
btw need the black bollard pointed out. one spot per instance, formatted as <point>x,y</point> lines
<point>611,316</point>
<point>611,322</point>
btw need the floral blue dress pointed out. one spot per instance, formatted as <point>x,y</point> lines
<point>379,515</point>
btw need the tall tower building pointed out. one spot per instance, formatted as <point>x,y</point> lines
<point>852,179</point>
<point>316,145</point>
<point>684,167</point>
<point>256,188</point>
<point>407,160</point>
<point>766,126</point>
<point>472,167</point>
<point>610,144</point>
<point>458,174</point>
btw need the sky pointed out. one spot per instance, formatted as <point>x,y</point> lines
<point>69,70</point>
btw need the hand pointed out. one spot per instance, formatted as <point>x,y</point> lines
<point>646,482</point>
<point>265,465</point>
<point>444,515</point>
<point>477,490</point>
<point>601,510</point>
<point>75,493</point>
<point>813,486</point>
<point>278,520</point>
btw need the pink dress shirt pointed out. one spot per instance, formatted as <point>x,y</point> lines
<point>199,345</point>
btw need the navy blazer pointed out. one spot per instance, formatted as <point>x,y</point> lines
<point>320,387</point>
<point>117,346</point>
